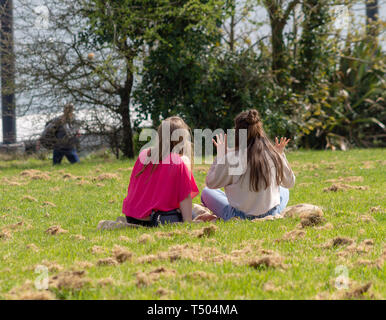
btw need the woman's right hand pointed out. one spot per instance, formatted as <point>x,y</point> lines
<point>281,146</point>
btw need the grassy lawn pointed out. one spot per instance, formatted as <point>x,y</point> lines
<point>175,262</point>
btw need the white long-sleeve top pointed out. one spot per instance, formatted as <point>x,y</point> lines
<point>236,179</point>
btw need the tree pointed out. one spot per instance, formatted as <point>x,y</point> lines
<point>7,72</point>
<point>278,17</point>
<point>89,53</point>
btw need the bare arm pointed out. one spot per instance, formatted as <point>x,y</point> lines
<point>186,209</point>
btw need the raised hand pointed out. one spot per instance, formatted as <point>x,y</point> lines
<point>221,144</point>
<point>281,146</point>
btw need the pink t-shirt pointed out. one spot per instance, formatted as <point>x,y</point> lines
<point>163,189</point>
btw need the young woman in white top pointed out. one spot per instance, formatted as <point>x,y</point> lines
<point>261,188</point>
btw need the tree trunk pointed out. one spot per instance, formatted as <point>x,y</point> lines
<point>7,72</point>
<point>372,17</point>
<point>278,47</point>
<point>124,110</point>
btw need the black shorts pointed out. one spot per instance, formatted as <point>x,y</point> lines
<point>157,218</point>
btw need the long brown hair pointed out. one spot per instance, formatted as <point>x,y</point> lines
<point>186,147</point>
<point>259,148</point>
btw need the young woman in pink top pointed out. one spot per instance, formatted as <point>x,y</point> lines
<point>162,185</point>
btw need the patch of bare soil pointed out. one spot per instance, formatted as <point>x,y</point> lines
<point>292,236</point>
<point>267,261</point>
<point>79,237</point>
<point>98,249</point>
<point>49,204</point>
<point>344,187</point>
<point>337,242</point>
<point>301,209</point>
<point>69,280</point>
<point>170,234</point>
<point>106,176</point>
<point>52,266</point>
<point>346,179</point>
<point>123,238</point>
<point>84,264</point>
<point>358,291</point>
<point>309,219</point>
<point>54,230</point>
<point>29,198</point>
<point>107,262</point>
<point>145,238</point>
<point>121,254</point>
<point>205,231</point>
<point>163,292</point>
<point>32,247</point>
<point>270,287</point>
<point>28,292</point>
<point>105,282</point>
<point>35,175</point>
<point>146,278</point>
<point>367,219</point>
<point>376,209</point>
<point>5,234</point>
<point>327,226</point>
<point>185,251</point>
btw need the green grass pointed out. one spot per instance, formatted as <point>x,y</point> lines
<point>311,270</point>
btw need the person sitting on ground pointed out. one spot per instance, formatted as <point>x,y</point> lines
<point>61,134</point>
<point>162,184</point>
<point>261,188</point>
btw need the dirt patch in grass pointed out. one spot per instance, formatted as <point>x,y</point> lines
<point>54,230</point>
<point>105,282</point>
<point>106,176</point>
<point>5,234</point>
<point>358,291</point>
<point>52,266</point>
<point>270,287</point>
<point>171,234</point>
<point>292,236</point>
<point>98,249</point>
<point>145,238</point>
<point>337,242</point>
<point>35,175</point>
<point>48,204</point>
<point>327,226</point>
<point>346,179</point>
<point>124,238</point>
<point>84,264</point>
<point>69,280</point>
<point>107,262</point>
<point>79,237</point>
<point>376,209</point>
<point>309,219</point>
<point>147,278</point>
<point>267,261</point>
<point>29,198</point>
<point>344,187</point>
<point>300,210</point>
<point>28,292</point>
<point>121,254</point>
<point>162,292</point>
<point>366,219</point>
<point>33,247</point>
<point>205,231</point>
<point>186,251</point>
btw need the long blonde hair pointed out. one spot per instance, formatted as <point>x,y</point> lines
<point>184,142</point>
<point>259,148</point>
